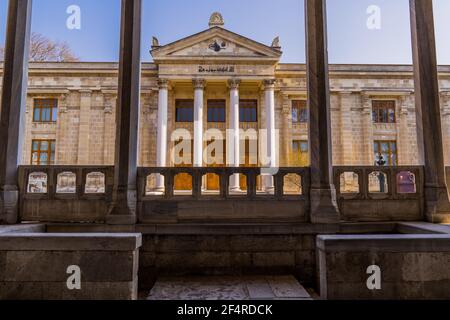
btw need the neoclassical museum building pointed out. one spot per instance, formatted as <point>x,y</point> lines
<point>218,159</point>
<point>231,82</point>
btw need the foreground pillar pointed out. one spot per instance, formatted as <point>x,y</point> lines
<point>324,207</point>
<point>13,102</point>
<point>161,151</point>
<point>269,98</point>
<point>199,86</point>
<point>437,206</point>
<point>123,208</point>
<point>235,184</point>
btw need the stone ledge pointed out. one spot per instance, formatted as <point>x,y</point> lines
<point>423,228</point>
<point>203,228</point>
<point>380,243</point>
<point>22,228</point>
<point>69,242</point>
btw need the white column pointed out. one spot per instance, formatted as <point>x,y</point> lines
<point>269,92</point>
<point>161,148</point>
<point>199,85</point>
<point>235,183</point>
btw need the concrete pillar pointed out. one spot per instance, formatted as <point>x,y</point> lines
<point>109,128</point>
<point>367,130</point>
<point>446,129</point>
<point>123,207</point>
<point>286,136</point>
<point>403,145</point>
<point>269,102</point>
<point>161,146</point>
<point>324,207</point>
<point>199,86</point>
<point>84,127</point>
<point>13,105</point>
<point>235,132</point>
<point>437,204</point>
<point>346,128</point>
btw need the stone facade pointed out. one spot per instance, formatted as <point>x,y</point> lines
<point>86,93</point>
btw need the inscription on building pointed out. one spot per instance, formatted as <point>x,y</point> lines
<point>216,69</point>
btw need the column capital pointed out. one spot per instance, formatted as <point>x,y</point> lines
<point>234,83</point>
<point>85,92</point>
<point>269,84</point>
<point>163,84</point>
<point>199,83</point>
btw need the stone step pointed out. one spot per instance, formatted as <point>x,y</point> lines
<point>229,288</point>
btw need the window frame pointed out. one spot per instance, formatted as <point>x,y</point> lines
<point>51,150</point>
<point>302,108</point>
<point>298,156</point>
<point>379,143</point>
<point>215,110</point>
<point>178,107</point>
<point>39,104</point>
<point>382,106</point>
<point>243,106</point>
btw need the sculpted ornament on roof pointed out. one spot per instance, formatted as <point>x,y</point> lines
<point>216,20</point>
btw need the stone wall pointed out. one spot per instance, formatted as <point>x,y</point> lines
<point>163,255</point>
<point>412,266</point>
<point>34,266</point>
<point>86,93</point>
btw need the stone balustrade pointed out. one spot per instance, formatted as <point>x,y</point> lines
<point>380,193</point>
<point>65,193</point>
<point>84,193</point>
<point>288,200</point>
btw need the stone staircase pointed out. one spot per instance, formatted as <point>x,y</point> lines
<point>228,288</point>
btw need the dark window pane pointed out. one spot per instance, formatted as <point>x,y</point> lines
<point>216,111</point>
<point>383,111</point>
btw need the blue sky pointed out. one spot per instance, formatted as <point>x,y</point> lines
<point>350,41</point>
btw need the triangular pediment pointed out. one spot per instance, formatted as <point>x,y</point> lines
<point>215,43</point>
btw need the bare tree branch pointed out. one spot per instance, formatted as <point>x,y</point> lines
<point>43,49</point>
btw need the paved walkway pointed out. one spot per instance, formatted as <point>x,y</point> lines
<point>229,288</point>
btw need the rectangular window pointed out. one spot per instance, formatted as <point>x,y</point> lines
<point>184,110</point>
<point>383,111</point>
<point>45,110</point>
<point>248,111</point>
<point>299,111</point>
<point>43,152</point>
<point>216,111</point>
<point>300,153</point>
<point>385,153</point>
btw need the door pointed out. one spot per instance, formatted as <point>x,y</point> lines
<point>249,158</point>
<point>213,180</point>
<point>183,181</point>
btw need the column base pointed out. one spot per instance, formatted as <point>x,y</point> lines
<point>160,190</point>
<point>437,205</point>
<point>324,207</point>
<point>123,210</point>
<point>9,206</point>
